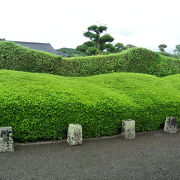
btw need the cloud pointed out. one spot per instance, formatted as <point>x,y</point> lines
<point>142,23</point>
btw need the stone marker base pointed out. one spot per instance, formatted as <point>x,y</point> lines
<point>170,125</point>
<point>128,129</point>
<point>74,136</point>
<point>6,140</point>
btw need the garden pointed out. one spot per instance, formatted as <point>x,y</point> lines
<point>41,94</point>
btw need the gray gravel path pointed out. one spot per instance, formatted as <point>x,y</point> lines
<point>151,156</point>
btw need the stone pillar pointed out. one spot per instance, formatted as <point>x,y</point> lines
<point>6,140</point>
<point>74,136</point>
<point>170,125</point>
<point>128,129</point>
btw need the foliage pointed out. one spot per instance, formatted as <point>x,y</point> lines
<point>162,47</point>
<point>166,54</point>
<point>109,47</point>
<point>129,46</point>
<point>16,57</point>
<point>138,60</point>
<point>40,106</point>
<point>177,51</point>
<point>92,50</point>
<point>71,52</point>
<point>177,56</point>
<point>119,47</point>
<point>98,43</point>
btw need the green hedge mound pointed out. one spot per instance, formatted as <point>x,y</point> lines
<point>138,60</point>
<point>40,106</point>
<point>16,57</point>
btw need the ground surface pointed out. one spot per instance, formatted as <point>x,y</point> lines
<point>151,156</point>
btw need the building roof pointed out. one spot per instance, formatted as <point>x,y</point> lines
<point>46,47</point>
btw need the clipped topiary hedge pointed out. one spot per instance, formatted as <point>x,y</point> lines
<point>40,106</point>
<point>16,57</point>
<point>137,60</point>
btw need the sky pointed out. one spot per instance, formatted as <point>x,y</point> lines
<point>143,23</point>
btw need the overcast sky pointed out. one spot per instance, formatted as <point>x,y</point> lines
<point>144,23</point>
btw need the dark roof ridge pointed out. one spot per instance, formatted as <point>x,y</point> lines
<point>29,42</point>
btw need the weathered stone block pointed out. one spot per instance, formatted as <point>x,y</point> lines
<point>128,129</point>
<point>74,136</point>
<point>6,140</point>
<point>170,125</point>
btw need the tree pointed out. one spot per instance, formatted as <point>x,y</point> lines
<point>130,46</point>
<point>71,52</point>
<point>98,43</point>
<point>162,47</point>
<point>82,48</point>
<point>119,47</point>
<point>87,48</point>
<point>177,50</point>
<point>109,48</point>
<point>92,50</point>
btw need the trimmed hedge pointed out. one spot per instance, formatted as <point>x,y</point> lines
<point>40,106</point>
<point>16,57</point>
<point>137,60</point>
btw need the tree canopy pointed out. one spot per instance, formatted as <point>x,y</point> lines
<point>162,47</point>
<point>99,41</point>
<point>177,51</point>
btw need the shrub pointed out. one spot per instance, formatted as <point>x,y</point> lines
<point>16,57</point>
<point>40,106</point>
<point>137,60</point>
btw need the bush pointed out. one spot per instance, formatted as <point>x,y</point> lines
<point>139,60</point>
<point>40,106</point>
<point>16,57</point>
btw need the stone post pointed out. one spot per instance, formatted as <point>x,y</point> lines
<point>74,136</point>
<point>170,125</point>
<point>128,129</point>
<point>6,140</point>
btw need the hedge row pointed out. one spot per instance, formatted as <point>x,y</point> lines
<point>40,106</point>
<point>16,57</point>
<point>137,60</point>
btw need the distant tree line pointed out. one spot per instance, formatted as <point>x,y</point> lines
<point>163,52</point>
<point>71,52</point>
<point>177,51</point>
<point>101,43</point>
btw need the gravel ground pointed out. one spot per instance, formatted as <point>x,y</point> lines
<point>151,156</point>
